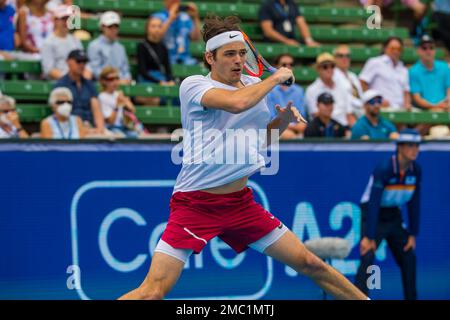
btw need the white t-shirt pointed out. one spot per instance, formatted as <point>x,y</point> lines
<point>108,102</point>
<point>342,105</point>
<point>202,153</point>
<point>391,81</point>
<point>351,83</point>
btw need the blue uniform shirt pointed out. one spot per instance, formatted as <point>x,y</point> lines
<point>7,28</point>
<point>432,85</point>
<point>388,188</point>
<point>363,127</point>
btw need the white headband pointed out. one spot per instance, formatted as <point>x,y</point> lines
<point>222,39</point>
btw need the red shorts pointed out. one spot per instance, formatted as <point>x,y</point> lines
<point>197,216</point>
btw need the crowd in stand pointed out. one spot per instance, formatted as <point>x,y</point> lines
<point>338,103</point>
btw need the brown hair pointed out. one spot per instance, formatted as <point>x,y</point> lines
<point>106,71</point>
<point>277,59</point>
<point>214,25</point>
<point>147,23</point>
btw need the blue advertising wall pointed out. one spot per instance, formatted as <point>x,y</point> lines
<point>97,211</point>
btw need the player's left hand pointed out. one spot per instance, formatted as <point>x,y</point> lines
<point>411,244</point>
<point>289,113</point>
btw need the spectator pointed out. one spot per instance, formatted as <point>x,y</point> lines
<point>372,125</point>
<point>430,78</point>
<point>342,111</point>
<point>57,46</point>
<point>34,24</point>
<point>85,102</point>
<point>278,18</point>
<point>181,24</point>
<point>388,75</point>
<point>153,57</point>
<point>7,13</point>
<point>442,17</point>
<point>118,110</point>
<point>106,49</point>
<point>10,126</point>
<point>415,5</point>
<point>61,124</point>
<point>348,79</point>
<point>282,94</point>
<point>322,124</point>
<point>153,61</point>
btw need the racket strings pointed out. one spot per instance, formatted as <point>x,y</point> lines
<point>252,63</point>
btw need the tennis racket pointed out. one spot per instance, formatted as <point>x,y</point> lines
<point>256,64</point>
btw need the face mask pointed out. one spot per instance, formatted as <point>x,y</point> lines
<point>64,109</point>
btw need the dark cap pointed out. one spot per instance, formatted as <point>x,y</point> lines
<point>78,55</point>
<point>325,97</point>
<point>426,39</point>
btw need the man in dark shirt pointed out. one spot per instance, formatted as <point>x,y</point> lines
<point>278,20</point>
<point>322,125</point>
<point>85,102</point>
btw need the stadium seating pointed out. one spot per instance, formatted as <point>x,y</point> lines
<point>326,24</point>
<point>303,74</point>
<point>136,27</point>
<point>39,90</point>
<point>246,11</point>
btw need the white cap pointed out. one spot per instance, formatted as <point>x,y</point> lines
<point>62,11</point>
<point>370,94</point>
<point>109,18</point>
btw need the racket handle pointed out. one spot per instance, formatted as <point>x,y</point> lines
<point>289,82</point>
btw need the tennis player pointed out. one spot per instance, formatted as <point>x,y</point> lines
<point>212,199</point>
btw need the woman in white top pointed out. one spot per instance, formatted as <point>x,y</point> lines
<point>34,25</point>
<point>61,124</point>
<point>117,109</point>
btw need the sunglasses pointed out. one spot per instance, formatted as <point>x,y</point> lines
<point>327,66</point>
<point>343,55</point>
<point>398,49</point>
<point>81,61</point>
<point>287,64</point>
<point>8,111</point>
<point>374,101</point>
<point>113,26</point>
<point>425,47</point>
<point>111,78</point>
<point>60,102</point>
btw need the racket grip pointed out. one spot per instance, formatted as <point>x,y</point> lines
<point>289,82</point>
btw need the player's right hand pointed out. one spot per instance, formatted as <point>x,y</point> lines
<point>284,74</point>
<point>366,245</point>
